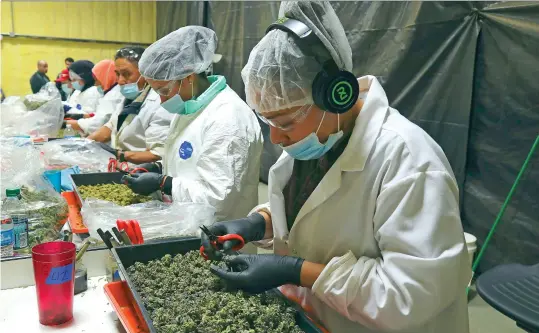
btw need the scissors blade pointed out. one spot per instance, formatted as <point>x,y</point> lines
<point>208,233</point>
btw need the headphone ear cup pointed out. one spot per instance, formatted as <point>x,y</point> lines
<point>337,92</point>
<point>319,89</point>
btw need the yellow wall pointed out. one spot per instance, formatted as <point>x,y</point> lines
<point>127,22</point>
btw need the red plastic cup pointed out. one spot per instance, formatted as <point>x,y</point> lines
<point>54,271</point>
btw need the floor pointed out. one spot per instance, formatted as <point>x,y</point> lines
<point>483,318</point>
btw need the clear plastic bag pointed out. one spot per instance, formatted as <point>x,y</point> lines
<point>21,167</point>
<point>39,114</point>
<point>156,219</point>
<point>84,153</point>
<point>19,162</point>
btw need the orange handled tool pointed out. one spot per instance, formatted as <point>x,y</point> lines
<point>217,241</point>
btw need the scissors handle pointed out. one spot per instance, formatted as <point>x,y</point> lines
<point>231,237</point>
<point>219,240</point>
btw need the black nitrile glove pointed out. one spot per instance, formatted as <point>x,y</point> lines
<point>256,273</point>
<point>74,116</point>
<point>147,183</point>
<point>108,148</point>
<point>151,167</point>
<point>251,228</point>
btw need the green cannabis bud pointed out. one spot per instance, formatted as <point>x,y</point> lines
<point>120,194</point>
<point>183,296</point>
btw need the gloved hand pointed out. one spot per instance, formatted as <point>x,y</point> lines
<point>151,167</point>
<point>256,273</point>
<point>143,183</point>
<point>108,148</point>
<point>251,228</point>
<point>74,116</point>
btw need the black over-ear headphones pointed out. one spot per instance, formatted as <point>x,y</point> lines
<point>334,90</point>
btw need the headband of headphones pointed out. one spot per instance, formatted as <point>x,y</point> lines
<point>333,89</point>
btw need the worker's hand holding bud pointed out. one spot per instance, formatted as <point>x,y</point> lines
<point>144,183</point>
<point>256,273</point>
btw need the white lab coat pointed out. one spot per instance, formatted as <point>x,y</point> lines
<point>213,156</point>
<point>385,221</point>
<point>146,131</point>
<point>106,106</point>
<point>87,100</point>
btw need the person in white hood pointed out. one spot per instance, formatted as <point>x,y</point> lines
<point>106,82</point>
<point>212,153</point>
<point>363,213</point>
<point>85,96</point>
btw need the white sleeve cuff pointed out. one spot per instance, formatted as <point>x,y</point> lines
<point>84,124</point>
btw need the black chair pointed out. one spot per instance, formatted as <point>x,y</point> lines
<point>514,291</point>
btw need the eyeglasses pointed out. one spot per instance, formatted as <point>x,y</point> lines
<point>165,90</point>
<point>287,122</point>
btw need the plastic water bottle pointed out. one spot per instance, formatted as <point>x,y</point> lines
<point>69,132</point>
<point>15,208</point>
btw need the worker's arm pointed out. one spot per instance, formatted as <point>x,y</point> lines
<point>269,225</point>
<point>74,124</point>
<point>157,131</point>
<point>423,266</point>
<point>101,135</point>
<point>139,157</point>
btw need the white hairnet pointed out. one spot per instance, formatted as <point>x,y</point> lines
<point>179,54</point>
<point>278,75</point>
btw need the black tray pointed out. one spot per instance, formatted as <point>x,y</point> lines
<point>126,256</point>
<point>94,179</point>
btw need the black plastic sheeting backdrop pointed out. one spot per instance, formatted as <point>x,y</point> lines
<point>466,72</point>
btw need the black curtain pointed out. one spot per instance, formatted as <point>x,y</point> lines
<point>466,72</point>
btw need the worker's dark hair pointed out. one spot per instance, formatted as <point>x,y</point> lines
<point>71,60</point>
<point>131,53</point>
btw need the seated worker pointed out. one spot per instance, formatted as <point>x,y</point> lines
<point>85,96</point>
<point>212,153</point>
<point>107,84</point>
<point>363,213</point>
<point>138,129</point>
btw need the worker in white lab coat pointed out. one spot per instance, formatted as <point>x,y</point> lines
<point>85,94</point>
<point>138,128</point>
<point>212,154</point>
<point>363,212</point>
<point>107,84</point>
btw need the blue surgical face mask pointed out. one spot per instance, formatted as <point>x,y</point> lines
<point>100,89</point>
<point>130,90</point>
<point>76,85</point>
<point>66,89</point>
<point>310,148</point>
<point>174,105</point>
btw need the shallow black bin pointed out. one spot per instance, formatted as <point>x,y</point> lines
<point>94,179</point>
<point>126,256</point>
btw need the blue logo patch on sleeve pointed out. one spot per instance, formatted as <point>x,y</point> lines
<point>186,150</point>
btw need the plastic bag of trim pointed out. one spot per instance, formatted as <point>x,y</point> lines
<point>39,114</point>
<point>84,153</point>
<point>156,219</point>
